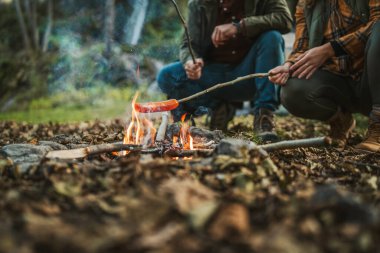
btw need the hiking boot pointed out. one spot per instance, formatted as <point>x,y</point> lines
<point>371,144</point>
<point>341,126</point>
<point>221,116</point>
<point>263,126</point>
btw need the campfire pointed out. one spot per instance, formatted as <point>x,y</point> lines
<point>175,141</point>
<point>169,139</point>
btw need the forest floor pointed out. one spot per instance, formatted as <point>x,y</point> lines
<point>312,200</point>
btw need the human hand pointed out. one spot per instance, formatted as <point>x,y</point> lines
<point>280,75</point>
<point>194,71</point>
<point>307,63</point>
<point>223,33</point>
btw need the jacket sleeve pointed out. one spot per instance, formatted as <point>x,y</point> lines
<point>301,42</point>
<point>354,43</point>
<point>276,17</point>
<point>194,27</point>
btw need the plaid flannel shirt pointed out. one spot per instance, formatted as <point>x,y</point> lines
<point>344,29</point>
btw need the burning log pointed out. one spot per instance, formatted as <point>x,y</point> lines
<point>92,150</point>
<point>181,153</point>
<point>162,129</point>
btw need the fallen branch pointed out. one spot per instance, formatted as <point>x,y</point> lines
<point>91,150</point>
<point>293,144</point>
<point>162,129</point>
<point>186,30</point>
<point>188,153</point>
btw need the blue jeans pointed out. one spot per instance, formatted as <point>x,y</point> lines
<point>266,53</point>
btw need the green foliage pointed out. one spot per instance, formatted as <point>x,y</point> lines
<point>23,77</point>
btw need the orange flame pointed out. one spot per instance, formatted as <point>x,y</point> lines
<point>140,130</point>
<point>184,135</point>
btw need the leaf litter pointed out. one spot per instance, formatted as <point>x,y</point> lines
<point>303,200</point>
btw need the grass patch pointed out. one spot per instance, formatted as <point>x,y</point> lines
<point>81,105</point>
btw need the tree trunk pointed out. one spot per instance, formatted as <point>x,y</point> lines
<point>135,23</point>
<point>109,26</point>
<point>35,32</point>
<point>49,26</point>
<point>24,31</point>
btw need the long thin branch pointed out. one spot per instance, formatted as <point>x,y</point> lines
<point>221,85</point>
<point>186,30</point>
<point>91,150</point>
<point>293,144</point>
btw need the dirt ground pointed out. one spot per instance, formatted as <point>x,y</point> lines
<point>309,200</point>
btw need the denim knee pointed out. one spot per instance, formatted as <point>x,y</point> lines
<point>168,76</point>
<point>271,38</point>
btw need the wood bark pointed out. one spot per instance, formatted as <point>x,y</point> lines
<point>91,150</point>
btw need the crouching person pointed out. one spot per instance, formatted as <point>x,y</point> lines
<point>334,69</point>
<point>230,38</point>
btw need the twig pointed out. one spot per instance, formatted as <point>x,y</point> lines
<point>186,30</point>
<point>188,153</point>
<point>162,129</point>
<point>293,144</point>
<point>92,150</point>
<point>221,85</point>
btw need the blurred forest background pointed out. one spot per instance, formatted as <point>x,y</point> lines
<point>66,60</point>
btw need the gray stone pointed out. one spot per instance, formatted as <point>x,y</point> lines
<point>53,145</point>
<point>25,155</point>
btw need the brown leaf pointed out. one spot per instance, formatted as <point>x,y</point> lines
<point>232,222</point>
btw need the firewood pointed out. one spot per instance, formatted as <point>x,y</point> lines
<point>187,153</point>
<point>92,150</point>
<point>293,144</point>
<point>162,129</point>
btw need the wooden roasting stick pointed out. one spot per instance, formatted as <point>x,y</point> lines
<point>92,150</point>
<point>186,30</point>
